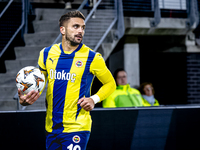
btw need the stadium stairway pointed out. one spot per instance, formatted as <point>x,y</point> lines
<point>46,30</point>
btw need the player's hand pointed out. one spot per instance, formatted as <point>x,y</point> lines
<point>86,103</point>
<point>28,99</point>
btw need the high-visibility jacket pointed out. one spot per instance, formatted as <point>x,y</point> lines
<point>146,103</point>
<point>123,96</point>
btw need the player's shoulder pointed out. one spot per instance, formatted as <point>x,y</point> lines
<point>85,47</point>
<point>48,48</point>
<point>92,52</point>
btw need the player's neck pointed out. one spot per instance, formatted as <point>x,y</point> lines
<point>68,47</point>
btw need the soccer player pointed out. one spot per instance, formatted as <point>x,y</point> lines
<point>70,67</point>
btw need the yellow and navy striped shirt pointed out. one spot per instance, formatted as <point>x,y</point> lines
<point>70,78</point>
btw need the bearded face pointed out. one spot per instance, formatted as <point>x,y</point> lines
<point>74,39</point>
<point>74,31</point>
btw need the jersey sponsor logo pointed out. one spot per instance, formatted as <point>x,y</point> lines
<point>62,75</point>
<point>79,63</point>
<point>52,60</point>
<point>76,139</point>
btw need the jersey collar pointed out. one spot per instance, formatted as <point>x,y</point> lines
<point>78,48</point>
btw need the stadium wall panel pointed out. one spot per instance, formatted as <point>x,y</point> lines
<point>150,128</point>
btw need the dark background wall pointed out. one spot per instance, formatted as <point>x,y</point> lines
<point>167,72</point>
<point>193,78</point>
<point>159,128</point>
<point>163,61</point>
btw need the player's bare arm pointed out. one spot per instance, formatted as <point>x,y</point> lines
<point>28,99</point>
<point>86,103</point>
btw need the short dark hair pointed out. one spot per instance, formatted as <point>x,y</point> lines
<point>141,88</point>
<point>71,14</point>
<point>116,72</point>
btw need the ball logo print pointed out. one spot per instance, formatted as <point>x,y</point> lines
<point>26,86</point>
<point>30,78</point>
<point>27,72</point>
<point>76,139</point>
<point>37,80</point>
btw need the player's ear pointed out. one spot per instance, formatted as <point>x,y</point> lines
<point>62,30</point>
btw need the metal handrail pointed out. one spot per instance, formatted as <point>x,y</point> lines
<point>105,34</point>
<point>120,25</point>
<point>20,27</point>
<point>4,10</point>
<point>92,11</point>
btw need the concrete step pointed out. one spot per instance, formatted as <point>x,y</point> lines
<point>94,33</point>
<point>8,79</point>
<point>46,25</point>
<point>92,42</point>
<point>105,12</point>
<point>104,16</point>
<point>51,13</point>
<point>92,46</point>
<point>56,13</point>
<point>41,38</point>
<point>31,52</point>
<point>92,38</point>
<point>108,4</point>
<point>7,104</point>
<point>96,29</point>
<point>8,92</point>
<point>99,22</point>
<point>2,75</point>
<point>13,66</point>
<point>89,29</point>
<point>100,33</point>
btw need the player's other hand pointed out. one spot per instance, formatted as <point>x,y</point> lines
<point>86,103</point>
<point>28,99</point>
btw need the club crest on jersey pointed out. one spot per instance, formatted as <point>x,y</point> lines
<point>79,63</point>
<point>76,139</point>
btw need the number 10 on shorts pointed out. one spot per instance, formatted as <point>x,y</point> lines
<point>74,147</point>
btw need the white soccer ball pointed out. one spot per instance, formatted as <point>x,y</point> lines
<point>30,78</point>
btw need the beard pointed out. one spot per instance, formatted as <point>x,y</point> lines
<point>72,40</point>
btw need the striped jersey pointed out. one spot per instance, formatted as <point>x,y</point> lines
<point>70,78</point>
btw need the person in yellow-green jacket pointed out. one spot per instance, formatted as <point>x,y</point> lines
<point>147,91</point>
<point>124,95</point>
